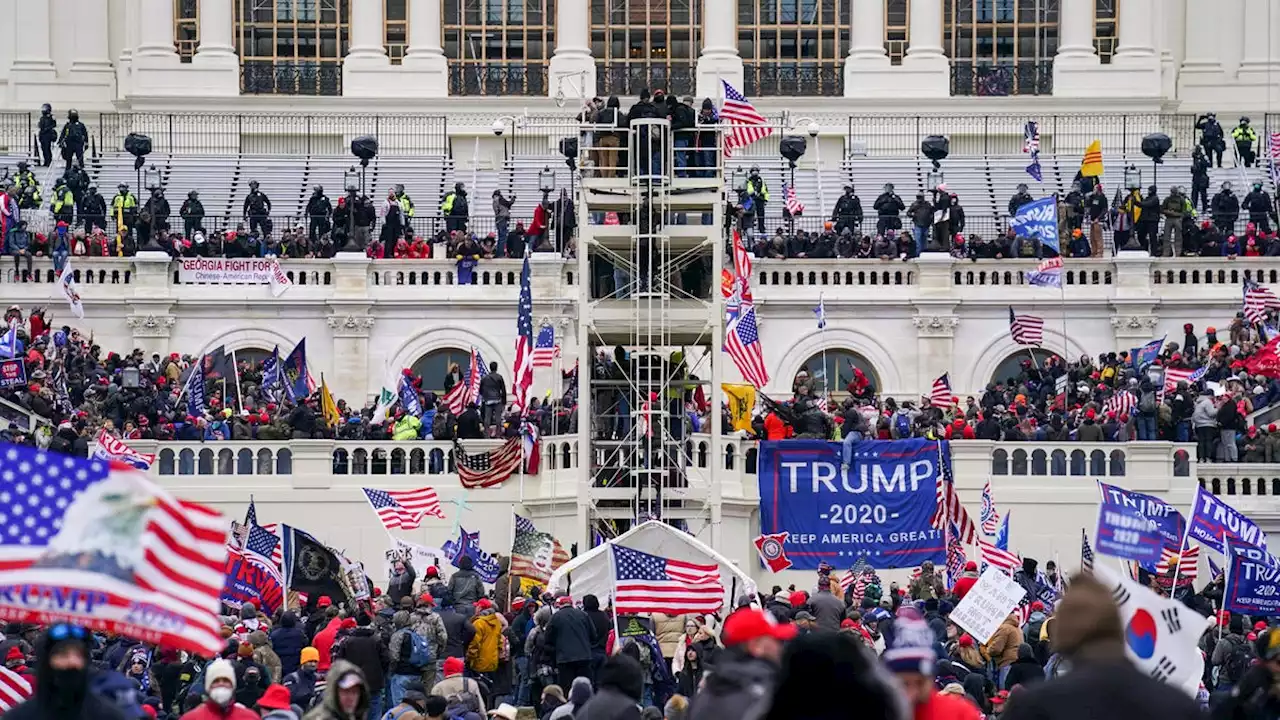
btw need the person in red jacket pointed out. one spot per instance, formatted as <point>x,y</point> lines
<point>966,581</point>
<point>960,430</point>
<point>323,642</point>
<point>219,694</point>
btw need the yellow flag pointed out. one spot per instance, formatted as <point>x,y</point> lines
<point>328,407</point>
<point>527,584</point>
<point>1092,165</point>
<point>742,400</point>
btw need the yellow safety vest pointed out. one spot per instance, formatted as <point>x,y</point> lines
<point>66,199</point>
<point>406,206</point>
<point>126,201</point>
<point>447,204</point>
<point>1243,133</point>
<point>764,189</point>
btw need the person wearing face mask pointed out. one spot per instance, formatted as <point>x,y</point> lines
<point>346,697</point>
<point>220,696</point>
<point>62,681</point>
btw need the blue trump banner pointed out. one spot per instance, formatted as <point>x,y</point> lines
<point>250,580</point>
<point>1253,581</point>
<point>1169,522</point>
<point>880,507</point>
<point>1213,522</point>
<point>1124,533</point>
<point>1038,219</point>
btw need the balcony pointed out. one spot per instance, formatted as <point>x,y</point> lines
<point>1050,489</point>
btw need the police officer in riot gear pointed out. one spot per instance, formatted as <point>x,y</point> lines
<point>847,212</point>
<point>888,209</point>
<point>192,212</point>
<point>758,191</point>
<point>93,210</point>
<point>1212,139</point>
<point>1245,137</point>
<point>48,133</point>
<point>1020,198</point>
<point>74,138</point>
<point>257,210</point>
<point>1258,204</point>
<point>1225,208</point>
<point>319,214</point>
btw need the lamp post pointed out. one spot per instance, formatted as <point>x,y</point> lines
<point>501,125</point>
<point>153,184</point>
<point>547,185</point>
<point>351,183</point>
<point>812,127</point>
<point>1132,182</point>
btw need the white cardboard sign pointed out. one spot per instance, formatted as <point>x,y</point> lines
<point>987,604</point>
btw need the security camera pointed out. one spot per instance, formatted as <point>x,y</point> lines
<point>560,98</point>
<point>814,128</point>
<point>499,127</point>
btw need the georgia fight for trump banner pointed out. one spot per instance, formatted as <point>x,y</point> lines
<point>879,508</point>
<point>1213,522</point>
<point>1253,586</point>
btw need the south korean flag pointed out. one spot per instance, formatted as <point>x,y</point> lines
<point>1160,634</point>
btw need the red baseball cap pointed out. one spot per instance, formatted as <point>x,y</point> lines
<point>324,601</point>
<point>751,623</point>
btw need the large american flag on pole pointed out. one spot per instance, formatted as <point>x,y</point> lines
<point>1275,159</point>
<point>1188,562</point>
<point>466,392</point>
<point>110,447</point>
<point>403,509</point>
<point>648,583</point>
<point>940,394</point>
<point>14,689</point>
<point>1257,301</point>
<point>955,555</point>
<point>1086,552</point>
<point>949,508</point>
<point>1004,560</point>
<point>523,367</point>
<point>125,555</point>
<point>793,205</point>
<point>1026,329</point>
<point>744,125</point>
<point>742,342</point>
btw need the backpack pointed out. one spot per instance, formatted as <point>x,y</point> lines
<point>1148,403</point>
<point>902,425</point>
<point>423,654</point>
<point>393,715</point>
<point>1237,664</point>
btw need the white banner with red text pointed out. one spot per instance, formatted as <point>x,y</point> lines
<point>234,271</point>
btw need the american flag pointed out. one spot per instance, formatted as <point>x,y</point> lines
<point>940,393</point>
<point>14,689</point>
<point>102,530</point>
<point>545,347</point>
<point>251,519</point>
<point>858,576</point>
<point>535,554</point>
<point>739,292</point>
<point>793,205</point>
<point>1003,560</point>
<point>1275,159</point>
<point>742,342</point>
<point>1026,329</point>
<point>1031,145</point>
<point>1173,376</point>
<point>744,123</point>
<point>404,509</point>
<point>1122,403</point>
<point>955,556</point>
<point>648,583</point>
<point>466,392</point>
<point>989,517</point>
<point>523,369</point>
<point>113,448</point>
<point>1188,562</point>
<point>1086,552</point>
<point>1048,274</point>
<point>949,509</point>
<point>1257,301</point>
<point>491,467</point>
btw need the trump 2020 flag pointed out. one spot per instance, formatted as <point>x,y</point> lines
<point>1038,219</point>
<point>97,544</point>
<point>1161,636</point>
<point>468,545</point>
<point>1252,579</point>
<point>112,448</point>
<point>1213,522</point>
<point>251,575</point>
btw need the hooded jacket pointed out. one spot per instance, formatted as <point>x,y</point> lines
<point>287,641</point>
<point>484,649</point>
<point>266,656</point>
<point>1026,670</point>
<point>50,704</point>
<point>739,687</point>
<point>324,643</point>
<point>329,709</point>
<point>364,649</point>
<point>621,687</point>
<point>465,585</point>
<point>1002,648</point>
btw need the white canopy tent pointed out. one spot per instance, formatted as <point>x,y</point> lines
<point>593,571</point>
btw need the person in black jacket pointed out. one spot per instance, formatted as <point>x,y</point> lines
<point>888,207</point>
<point>683,122</point>
<point>192,214</point>
<point>470,426</point>
<point>48,133</point>
<point>1103,683</point>
<point>570,635</point>
<point>62,681</point>
<point>364,649</point>
<point>257,210</point>
<point>401,582</point>
<point>466,587</point>
<point>1025,670</point>
<point>493,393</point>
<point>620,689</point>
<point>647,147</point>
<point>93,210</point>
<point>1149,222</point>
<point>288,640</point>
<point>457,626</point>
<point>319,211</point>
<point>303,421</point>
<point>601,624</point>
<point>847,212</point>
<point>73,140</point>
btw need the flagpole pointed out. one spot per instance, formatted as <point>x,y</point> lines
<point>822,335</point>
<point>1226,577</point>
<point>613,601</point>
<point>235,370</point>
<point>511,556</point>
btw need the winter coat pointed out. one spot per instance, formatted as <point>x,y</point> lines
<point>329,709</point>
<point>1002,648</point>
<point>209,710</point>
<point>965,584</point>
<point>287,641</point>
<point>323,642</point>
<point>1025,670</point>
<point>266,656</point>
<point>739,687</point>
<point>486,646</point>
<point>667,630</point>
<point>570,635</point>
<point>430,627</point>
<point>401,584</point>
<point>466,587</point>
<point>458,633</point>
<point>828,609</point>
<point>1102,691</point>
<point>364,649</point>
<point>621,688</point>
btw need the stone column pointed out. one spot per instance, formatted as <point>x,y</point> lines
<point>1201,38</point>
<point>1135,69</point>
<point>124,63</point>
<point>32,56</point>
<point>572,70</point>
<point>351,327</point>
<point>926,71</point>
<point>1137,32</point>
<point>867,72</point>
<point>935,343</point>
<point>92,59</point>
<point>1075,29</point>
<point>1173,20</point>
<point>366,71</point>
<point>1260,59</point>
<point>216,66</point>
<point>719,59</point>
<point>425,57</point>
<point>155,37</point>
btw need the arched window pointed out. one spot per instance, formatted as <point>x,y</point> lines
<point>793,47</point>
<point>833,371</point>
<point>1007,371</point>
<point>292,48</point>
<point>435,365</point>
<point>650,44</point>
<point>499,47</point>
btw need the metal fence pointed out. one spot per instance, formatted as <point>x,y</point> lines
<point>18,133</point>
<point>1003,134</point>
<point>628,79</point>
<point>498,80</point>
<point>988,80</point>
<point>806,79</point>
<point>269,77</point>
<point>262,133</point>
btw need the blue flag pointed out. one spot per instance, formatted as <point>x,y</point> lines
<point>468,544</point>
<point>195,392</point>
<point>295,372</point>
<point>1123,532</point>
<point>271,371</point>
<point>1253,581</point>
<point>409,397</point>
<point>1169,522</point>
<point>1214,522</point>
<point>1038,219</point>
<point>1002,534</point>
<point>1147,354</point>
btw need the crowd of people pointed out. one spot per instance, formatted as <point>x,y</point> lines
<point>461,649</point>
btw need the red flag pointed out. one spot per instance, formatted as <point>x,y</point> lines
<point>1266,361</point>
<point>771,551</point>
